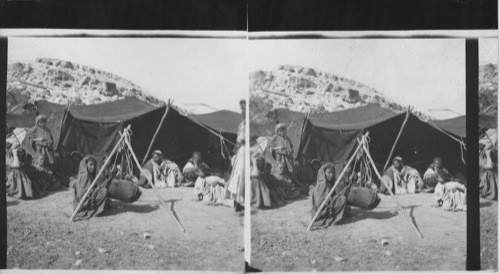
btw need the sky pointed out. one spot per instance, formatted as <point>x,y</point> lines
<point>428,74</point>
<point>189,71</point>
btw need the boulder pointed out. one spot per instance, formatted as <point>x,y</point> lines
<point>110,89</point>
<point>69,65</point>
<point>311,72</point>
<point>86,81</point>
<point>352,96</point>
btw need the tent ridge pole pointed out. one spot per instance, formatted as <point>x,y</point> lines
<point>156,134</point>
<point>397,139</point>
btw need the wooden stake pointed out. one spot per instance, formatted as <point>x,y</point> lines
<point>98,175</point>
<point>401,210</point>
<point>154,136</point>
<point>397,139</point>
<point>152,185</point>
<point>336,183</point>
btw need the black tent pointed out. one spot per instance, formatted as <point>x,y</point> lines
<point>94,129</point>
<point>333,136</point>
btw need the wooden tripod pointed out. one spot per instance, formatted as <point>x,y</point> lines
<point>124,139</point>
<point>363,145</point>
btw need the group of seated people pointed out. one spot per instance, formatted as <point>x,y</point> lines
<point>32,175</point>
<point>209,185</point>
<point>288,179</point>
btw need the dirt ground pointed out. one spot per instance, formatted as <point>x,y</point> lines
<point>41,236</point>
<point>280,240</point>
<point>489,234</point>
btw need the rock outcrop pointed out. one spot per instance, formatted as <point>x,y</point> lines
<point>65,82</point>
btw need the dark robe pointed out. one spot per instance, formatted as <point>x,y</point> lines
<point>285,187</point>
<point>281,157</point>
<point>488,185</point>
<point>335,208</point>
<point>97,200</point>
<point>305,175</point>
<point>22,181</point>
<point>261,194</point>
<point>47,178</point>
<point>42,142</point>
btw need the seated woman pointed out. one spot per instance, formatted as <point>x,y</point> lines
<point>44,175</point>
<point>431,177</point>
<point>97,200</point>
<point>336,208</point>
<point>164,173</point>
<point>210,188</point>
<point>284,183</point>
<point>402,179</point>
<point>190,170</point>
<point>21,180</point>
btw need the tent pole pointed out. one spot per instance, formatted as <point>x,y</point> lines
<point>152,185</point>
<point>401,210</point>
<point>97,177</point>
<point>154,136</point>
<point>397,139</point>
<point>339,178</point>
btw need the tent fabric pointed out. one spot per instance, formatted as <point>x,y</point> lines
<point>95,129</point>
<point>179,137</point>
<point>457,126</point>
<point>352,119</point>
<point>114,111</point>
<point>20,120</point>
<point>333,137</point>
<point>222,121</point>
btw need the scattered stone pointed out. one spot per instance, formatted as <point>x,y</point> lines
<point>388,253</point>
<point>77,253</point>
<point>151,246</point>
<point>146,235</point>
<point>385,242</point>
<point>78,262</point>
<point>102,250</point>
<point>313,262</point>
<point>340,259</point>
<point>27,232</point>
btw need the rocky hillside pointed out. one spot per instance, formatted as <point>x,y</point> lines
<point>488,89</point>
<point>66,82</point>
<point>308,90</point>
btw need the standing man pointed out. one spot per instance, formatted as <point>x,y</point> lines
<point>236,186</point>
